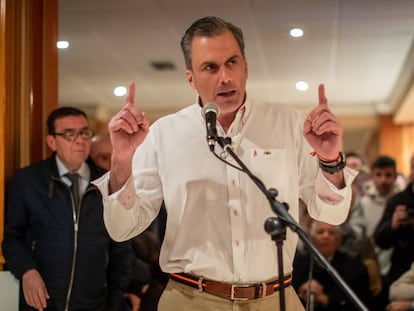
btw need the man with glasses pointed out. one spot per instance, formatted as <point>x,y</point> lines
<point>55,240</point>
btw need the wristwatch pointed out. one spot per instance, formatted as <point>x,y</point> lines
<point>335,166</point>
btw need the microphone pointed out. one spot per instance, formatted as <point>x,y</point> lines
<point>210,112</point>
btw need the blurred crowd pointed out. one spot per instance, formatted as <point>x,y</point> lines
<point>373,251</point>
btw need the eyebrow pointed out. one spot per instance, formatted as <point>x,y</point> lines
<point>73,129</point>
<point>205,63</point>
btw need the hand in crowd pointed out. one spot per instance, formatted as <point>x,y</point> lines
<point>399,217</point>
<point>316,289</point>
<point>322,130</point>
<point>134,301</point>
<point>34,290</point>
<point>399,306</point>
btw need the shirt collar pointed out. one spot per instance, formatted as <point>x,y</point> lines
<point>83,170</point>
<point>240,118</point>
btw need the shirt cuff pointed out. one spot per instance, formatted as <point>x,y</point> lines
<point>328,192</point>
<point>125,196</point>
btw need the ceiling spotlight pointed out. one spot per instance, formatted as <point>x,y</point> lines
<point>302,86</point>
<point>120,91</point>
<point>296,32</point>
<point>62,44</point>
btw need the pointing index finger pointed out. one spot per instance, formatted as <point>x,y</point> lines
<point>130,99</point>
<point>321,93</point>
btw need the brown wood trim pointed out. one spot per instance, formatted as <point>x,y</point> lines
<point>2,116</point>
<point>28,34</point>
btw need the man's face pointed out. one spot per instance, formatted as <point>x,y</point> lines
<point>326,238</point>
<point>354,163</point>
<point>219,71</point>
<point>384,179</point>
<point>101,152</point>
<point>71,153</point>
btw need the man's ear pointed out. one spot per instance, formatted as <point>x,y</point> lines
<point>51,142</point>
<point>190,79</point>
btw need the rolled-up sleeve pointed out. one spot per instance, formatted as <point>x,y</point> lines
<point>332,205</point>
<point>120,209</point>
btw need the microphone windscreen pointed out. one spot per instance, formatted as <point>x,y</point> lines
<point>210,107</point>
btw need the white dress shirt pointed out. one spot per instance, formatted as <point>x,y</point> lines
<point>215,213</point>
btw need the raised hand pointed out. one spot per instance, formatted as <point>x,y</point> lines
<point>127,129</point>
<point>322,130</point>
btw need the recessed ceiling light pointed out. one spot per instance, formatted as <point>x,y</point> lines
<point>296,32</point>
<point>120,91</point>
<point>62,44</point>
<point>302,86</point>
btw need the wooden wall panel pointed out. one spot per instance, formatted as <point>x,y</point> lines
<point>397,141</point>
<point>2,115</point>
<point>28,66</point>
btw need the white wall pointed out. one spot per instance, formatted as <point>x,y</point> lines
<point>9,292</point>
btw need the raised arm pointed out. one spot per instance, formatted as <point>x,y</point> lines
<point>324,134</point>
<point>128,129</point>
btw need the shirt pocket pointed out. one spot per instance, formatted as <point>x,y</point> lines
<point>271,166</point>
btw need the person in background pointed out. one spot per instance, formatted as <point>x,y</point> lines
<point>396,230</point>
<point>215,248</point>
<point>366,214</point>
<point>147,279</point>
<point>55,241</point>
<point>402,292</point>
<point>101,150</point>
<point>326,293</point>
<point>356,161</point>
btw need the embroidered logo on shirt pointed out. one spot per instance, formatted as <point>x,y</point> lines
<point>264,154</point>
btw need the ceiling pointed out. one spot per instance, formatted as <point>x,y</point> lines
<point>363,51</point>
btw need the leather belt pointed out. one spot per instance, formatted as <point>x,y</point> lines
<point>231,291</point>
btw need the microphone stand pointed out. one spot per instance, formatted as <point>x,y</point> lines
<point>276,227</point>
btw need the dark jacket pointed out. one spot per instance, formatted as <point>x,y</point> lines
<point>351,269</point>
<point>40,233</point>
<point>401,239</point>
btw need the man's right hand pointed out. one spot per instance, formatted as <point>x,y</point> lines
<point>34,290</point>
<point>128,129</point>
<point>399,217</point>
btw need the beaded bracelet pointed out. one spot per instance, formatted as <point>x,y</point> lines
<point>335,166</point>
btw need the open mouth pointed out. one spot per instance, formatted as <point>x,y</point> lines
<point>226,94</point>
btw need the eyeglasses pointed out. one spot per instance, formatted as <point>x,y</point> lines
<point>72,135</point>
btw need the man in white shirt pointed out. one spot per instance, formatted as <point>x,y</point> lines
<point>215,247</point>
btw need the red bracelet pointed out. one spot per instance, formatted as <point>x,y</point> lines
<point>338,158</point>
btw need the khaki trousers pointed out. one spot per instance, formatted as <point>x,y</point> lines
<point>180,297</point>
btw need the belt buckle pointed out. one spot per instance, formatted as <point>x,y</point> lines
<point>233,286</point>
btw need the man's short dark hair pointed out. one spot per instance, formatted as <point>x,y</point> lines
<point>384,162</point>
<point>61,113</point>
<point>208,27</point>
